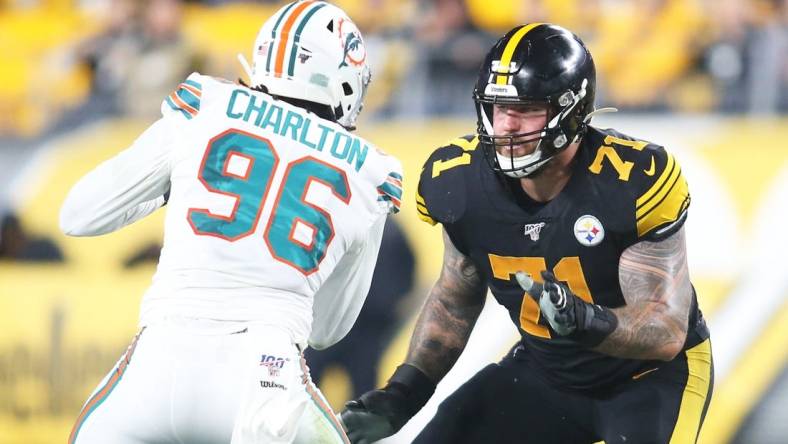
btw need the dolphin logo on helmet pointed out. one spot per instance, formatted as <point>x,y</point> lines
<point>352,44</point>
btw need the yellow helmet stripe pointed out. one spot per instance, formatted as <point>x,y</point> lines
<point>508,51</point>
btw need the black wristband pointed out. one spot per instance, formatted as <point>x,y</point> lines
<point>413,384</point>
<point>595,323</point>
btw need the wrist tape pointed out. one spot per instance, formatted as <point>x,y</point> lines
<point>413,384</point>
<point>594,325</point>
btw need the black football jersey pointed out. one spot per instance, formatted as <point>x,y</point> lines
<point>621,191</point>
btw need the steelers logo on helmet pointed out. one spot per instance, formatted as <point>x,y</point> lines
<point>537,64</point>
<point>589,231</point>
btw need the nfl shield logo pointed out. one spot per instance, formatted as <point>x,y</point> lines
<point>533,230</point>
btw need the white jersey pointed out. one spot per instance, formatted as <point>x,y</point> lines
<point>274,214</point>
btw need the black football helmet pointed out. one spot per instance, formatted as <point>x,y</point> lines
<point>535,64</point>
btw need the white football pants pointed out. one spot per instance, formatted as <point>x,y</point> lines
<point>203,381</point>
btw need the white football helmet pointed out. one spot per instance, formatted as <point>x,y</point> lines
<point>311,50</point>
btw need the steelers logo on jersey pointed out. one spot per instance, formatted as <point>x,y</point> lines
<point>589,231</point>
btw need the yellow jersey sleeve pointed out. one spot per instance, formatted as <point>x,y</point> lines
<point>662,208</point>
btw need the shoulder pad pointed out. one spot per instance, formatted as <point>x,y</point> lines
<point>653,178</point>
<point>441,193</point>
<point>186,99</point>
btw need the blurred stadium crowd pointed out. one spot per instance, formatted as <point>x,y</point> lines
<point>67,62</point>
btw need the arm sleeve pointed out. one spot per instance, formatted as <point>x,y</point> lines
<point>123,189</point>
<point>338,302</point>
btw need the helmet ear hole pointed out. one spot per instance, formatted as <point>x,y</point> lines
<point>347,88</point>
<point>330,26</point>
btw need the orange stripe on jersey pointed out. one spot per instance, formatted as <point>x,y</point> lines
<point>183,105</point>
<point>393,199</point>
<point>280,52</point>
<point>396,201</point>
<point>191,89</point>
<point>394,181</point>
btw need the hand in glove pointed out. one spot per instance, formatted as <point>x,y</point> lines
<point>567,314</point>
<point>380,413</point>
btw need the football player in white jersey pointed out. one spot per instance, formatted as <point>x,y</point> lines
<point>274,218</point>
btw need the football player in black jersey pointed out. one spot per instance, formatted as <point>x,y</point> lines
<point>579,233</point>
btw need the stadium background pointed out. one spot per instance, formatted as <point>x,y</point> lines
<point>80,79</point>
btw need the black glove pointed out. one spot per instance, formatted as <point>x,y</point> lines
<point>567,314</point>
<point>381,413</point>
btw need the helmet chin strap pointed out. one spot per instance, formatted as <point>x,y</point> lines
<point>520,165</point>
<point>526,165</point>
<point>523,166</point>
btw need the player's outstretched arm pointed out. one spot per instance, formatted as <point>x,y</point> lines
<point>654,279</point>
<point>442,330</point>
<point>123,189</point>
<point>448,315</point>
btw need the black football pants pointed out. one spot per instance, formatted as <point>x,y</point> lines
<point>509,402</point>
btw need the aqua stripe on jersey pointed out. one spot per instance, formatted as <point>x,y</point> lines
<point>191,82</point>
<point>177,108</point>
<point>391,191</point>
<point>189,97</point>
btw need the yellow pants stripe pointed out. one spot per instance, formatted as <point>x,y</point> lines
<point>696,391</point>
